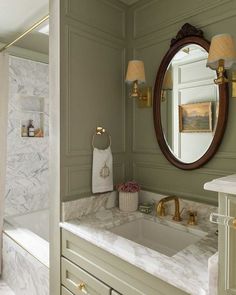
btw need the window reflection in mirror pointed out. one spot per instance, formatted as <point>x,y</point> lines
<point>189,104</point>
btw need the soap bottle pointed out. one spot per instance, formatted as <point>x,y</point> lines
<point>24,132</point>
<point>31,129</point>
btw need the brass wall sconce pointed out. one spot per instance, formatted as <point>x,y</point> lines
<point>222,56</point>
<point>167,85</point>
<point>136,77</point>
<point>164,94</point>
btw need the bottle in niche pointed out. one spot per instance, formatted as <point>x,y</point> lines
<point>31,129</point>
<point>24,132</point>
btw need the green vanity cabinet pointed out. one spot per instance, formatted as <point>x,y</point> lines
<point>64,291</point>
<point>79,281</point>
<point>103,273</point>
<point>227,247</point>
<point>226,188</point>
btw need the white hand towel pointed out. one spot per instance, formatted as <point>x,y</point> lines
<point>102,174</point>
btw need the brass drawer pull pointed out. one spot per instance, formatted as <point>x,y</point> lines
<point>82,288</point>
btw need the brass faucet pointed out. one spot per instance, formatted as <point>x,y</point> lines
<point>161,207</point>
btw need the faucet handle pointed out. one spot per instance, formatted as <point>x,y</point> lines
<point>192,217</point>
<point>182,210</point>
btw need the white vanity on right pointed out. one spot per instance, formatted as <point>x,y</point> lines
<point>226,219</point>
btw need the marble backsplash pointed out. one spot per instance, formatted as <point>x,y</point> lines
<point>203,210</point>
<point>27,158</point>
<point>84,206</point>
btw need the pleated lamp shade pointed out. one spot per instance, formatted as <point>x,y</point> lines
<point>135,71</point>
<point>168,82</point>
<point>222,48</point>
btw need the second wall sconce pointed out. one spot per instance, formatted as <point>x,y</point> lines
<point>136,77</point>
<point>167,85</point>
<point>222,56</point>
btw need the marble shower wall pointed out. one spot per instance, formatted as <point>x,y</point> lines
<point>27,158</point>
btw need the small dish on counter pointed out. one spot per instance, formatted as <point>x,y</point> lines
<point>146,208</point>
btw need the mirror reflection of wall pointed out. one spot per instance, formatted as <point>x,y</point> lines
<point>189,83</point>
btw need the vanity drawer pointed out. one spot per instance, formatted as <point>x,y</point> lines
<point>64,291</point>
<point>80,282</point>
<point>121,276</point>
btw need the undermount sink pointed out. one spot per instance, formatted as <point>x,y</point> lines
<point>162,238</point>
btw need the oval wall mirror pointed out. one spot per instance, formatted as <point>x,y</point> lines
<point>190,111</point>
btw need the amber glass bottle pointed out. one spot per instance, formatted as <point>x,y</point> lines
<point>31,129</point>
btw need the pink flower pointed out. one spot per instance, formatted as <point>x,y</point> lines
<point>128,187</point>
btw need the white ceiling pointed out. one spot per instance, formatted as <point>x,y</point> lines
<point>16,16</point>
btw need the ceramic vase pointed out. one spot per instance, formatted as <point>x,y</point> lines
<point>128,202</point>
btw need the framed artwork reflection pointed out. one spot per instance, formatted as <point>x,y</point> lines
<point>195,117</point>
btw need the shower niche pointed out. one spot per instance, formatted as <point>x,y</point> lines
<point>32,108</point>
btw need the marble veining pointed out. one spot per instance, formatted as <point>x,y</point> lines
<point>85,206</point>
<point>187,270</point>
<point>27,158</point>
<point>4,289</point>
<point>225,184</point>
<point>99,202</point>
<point>22,272</point>
<point>213,269</point>
<point>203,210</point>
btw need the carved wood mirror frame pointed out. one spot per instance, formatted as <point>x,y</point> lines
<point>187,35</point>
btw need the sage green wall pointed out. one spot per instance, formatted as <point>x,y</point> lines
<point>152,24</point>
<point>98,37</point>
<point>93,47</point>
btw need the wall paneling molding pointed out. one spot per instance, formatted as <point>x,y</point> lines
<point>168,167</point>
<point>184,14</point>
<point>78,179</point>
<point>165,34</point>
<point>115,16</point>
<point>149,41</point>
<point>71,34</point>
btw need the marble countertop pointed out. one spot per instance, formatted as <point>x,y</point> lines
<point>225,184</point>
<point>186,270</point>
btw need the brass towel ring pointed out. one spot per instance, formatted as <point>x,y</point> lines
<point>101,131</point>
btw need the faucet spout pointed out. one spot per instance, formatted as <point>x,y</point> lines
<point>161,207</point>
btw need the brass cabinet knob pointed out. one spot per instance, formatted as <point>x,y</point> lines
<point>234,223</point>
<point>82,288</point>
<point>223,220</point>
